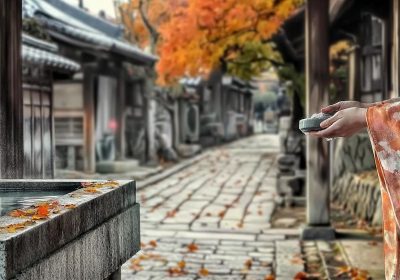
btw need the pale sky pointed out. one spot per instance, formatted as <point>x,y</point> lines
<point>95,6</point>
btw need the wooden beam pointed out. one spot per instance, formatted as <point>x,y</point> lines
<point>317,83</point>
<point>89,120</point>
<point>354,81</point>
<point>120,141</point>
<point>11,111</point>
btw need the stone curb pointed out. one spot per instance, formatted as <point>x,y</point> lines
<point>170,171</point>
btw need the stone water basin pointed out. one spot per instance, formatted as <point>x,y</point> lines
<point>89,240</point>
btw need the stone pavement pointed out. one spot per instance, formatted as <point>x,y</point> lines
<point>212,219</point>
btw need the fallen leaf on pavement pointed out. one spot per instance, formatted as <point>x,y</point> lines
<point>301,276</point>
<point>192,247</point>
<point>203,272</point>
<point>269,277</point>
<point>153,243</point>
<point>182,264</point>
<point>171,214</point>
<point>248,264</point>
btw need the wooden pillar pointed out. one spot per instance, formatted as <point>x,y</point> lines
<point>151,156</point>
<point>354,75</point>
<point>89,121</point>
<point>395,49</point>
<point>317,83</point>
<point>11,111</point>
<point>120,115</point>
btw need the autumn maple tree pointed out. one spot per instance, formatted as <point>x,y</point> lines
<point>194,37</point>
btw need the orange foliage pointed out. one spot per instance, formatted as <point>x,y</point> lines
<point>202,33</point>
<point>197,36</point>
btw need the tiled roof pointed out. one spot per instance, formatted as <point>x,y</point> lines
<point>35,56</point>
<point>37,43</point>
<point>73,31</point>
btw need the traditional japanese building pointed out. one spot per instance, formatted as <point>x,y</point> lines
<point>101,114</point>
<point>41,65</point>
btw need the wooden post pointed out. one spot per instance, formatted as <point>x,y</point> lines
<point>354,75</point>
<point>317,72</point>
<point>89,121</point>
<point>120,116</point>
<point>151,156</point>
<point>11,111</point>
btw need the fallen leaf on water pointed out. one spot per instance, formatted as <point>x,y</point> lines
<point>203,272</point>
<point>192,247</point>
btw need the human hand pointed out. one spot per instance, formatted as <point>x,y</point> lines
<point>344,123</point>
<point>341,106</point>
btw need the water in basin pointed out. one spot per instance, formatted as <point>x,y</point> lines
<point>11,200</point>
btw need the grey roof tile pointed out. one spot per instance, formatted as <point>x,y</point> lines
<point>38,57</point>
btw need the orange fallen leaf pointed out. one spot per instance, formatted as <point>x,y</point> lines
<point>14,227</point>
<point>91,190</point>
<point>203,272</point>
<point>192,247</point>
<point>153,243</point>
<point>182,265</point>
<point>269,277</point>
<point>221,214</point>
<point>171,214</point>
<point>301,276</point>
<point>43,210</point>
<point>70,206</point>
<point>17,213</point>
<point>248,264</point>
<point>39,217</point>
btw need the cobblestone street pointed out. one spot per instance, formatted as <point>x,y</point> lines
<point>212,219</point>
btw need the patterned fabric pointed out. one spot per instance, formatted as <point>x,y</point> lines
<point>384,128</point>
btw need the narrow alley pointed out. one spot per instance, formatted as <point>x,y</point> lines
<point>212,220</point>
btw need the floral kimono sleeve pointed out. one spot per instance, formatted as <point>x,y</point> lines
<point>384,129</point>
